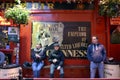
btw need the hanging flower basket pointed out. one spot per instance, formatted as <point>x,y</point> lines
<point>18,14</point>
<point>109,8</point>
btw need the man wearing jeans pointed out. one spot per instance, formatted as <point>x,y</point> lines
<point>56,58</point>
<point>37,56</point>
<point>96,53</point>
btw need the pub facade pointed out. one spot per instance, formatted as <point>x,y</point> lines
<point>72,22</point>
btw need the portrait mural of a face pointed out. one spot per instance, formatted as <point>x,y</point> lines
<point>46,33</point>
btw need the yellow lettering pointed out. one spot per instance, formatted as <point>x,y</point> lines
<point>8,5</point>
<point>3,6</point>
<point>42,6</point>
<point>23,4</point>
<point>50,5</point>
<point>66,46</point>
<point>82,28</point>
<point>74,53</point>
<point>76,45</point>
<point>84,39</point>
<point>77,34</point>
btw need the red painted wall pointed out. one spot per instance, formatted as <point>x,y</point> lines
<point>97,28</point>
<point>71,15</point>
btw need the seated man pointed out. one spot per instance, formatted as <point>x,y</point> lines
<point>38,60</point>
<point>56,58</point>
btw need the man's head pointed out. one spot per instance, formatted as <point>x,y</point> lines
<point>94,39</point>
<point>56,46</point>
<point>38,46</point>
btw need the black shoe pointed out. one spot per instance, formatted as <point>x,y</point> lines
<point>61,75</point>
<point>51,75</point>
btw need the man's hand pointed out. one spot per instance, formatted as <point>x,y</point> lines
<point>54,60</point>
<point>102,62</point>
<point>37,55</point>
<point>58,68</point>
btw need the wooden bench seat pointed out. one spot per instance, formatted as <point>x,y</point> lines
<point>71,71</point>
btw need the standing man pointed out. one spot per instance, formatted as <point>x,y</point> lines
<point>96,53</point>
<point>56,58</point>
<point>37,57</point>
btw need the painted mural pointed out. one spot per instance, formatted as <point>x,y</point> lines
<point>73,37</point>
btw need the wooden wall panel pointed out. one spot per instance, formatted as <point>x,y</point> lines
<point>25,43</point>
<point>115,52</point>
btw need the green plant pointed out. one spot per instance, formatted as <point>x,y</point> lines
<point>109,8</point>
<point>18,13</point>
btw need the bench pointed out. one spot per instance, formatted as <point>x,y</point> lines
<point>73,71</point>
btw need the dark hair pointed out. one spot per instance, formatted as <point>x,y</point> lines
<point>56,44</point>
<point>39,44</point>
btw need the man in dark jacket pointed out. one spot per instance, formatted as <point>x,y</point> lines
<point>37,57</point>
<point>56,58</point>
<point>96,53</point>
